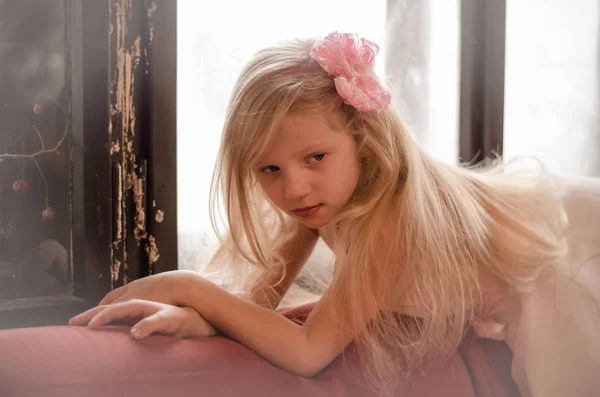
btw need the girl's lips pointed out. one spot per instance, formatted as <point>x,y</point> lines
<point>307,212</point>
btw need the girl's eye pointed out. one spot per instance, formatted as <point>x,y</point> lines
<point>269,168</point>
<point>317,157</point>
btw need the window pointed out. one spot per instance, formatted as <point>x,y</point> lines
<point>87,151</point>
<point>50,242</point>
<point>553,83</point>
<point>423,66</point>
<point>35,150</point>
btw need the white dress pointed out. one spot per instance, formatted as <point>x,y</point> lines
<point>554,332</point>
<point>555,335</point>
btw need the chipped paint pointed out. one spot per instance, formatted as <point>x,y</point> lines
<point>151,9</point>
<point>114,270</point>
<point>140,211</point>
<point>129,48</point>
<point>115,147</point>
<point>160,216</point>
<point>152,250</point>
<point>119,209</point>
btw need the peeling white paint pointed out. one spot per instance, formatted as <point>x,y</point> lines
<point>160,216</point>
<point>152,250</point>
<point>114,270</point>
<point>115,148</point>
<point>140,211</point>
<point>123,87</point>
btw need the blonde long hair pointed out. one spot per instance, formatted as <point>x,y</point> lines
<point>444,226</point>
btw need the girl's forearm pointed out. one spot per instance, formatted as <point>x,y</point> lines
<point>277,339</point>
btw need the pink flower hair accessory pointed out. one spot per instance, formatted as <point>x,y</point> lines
<point>350,60</point>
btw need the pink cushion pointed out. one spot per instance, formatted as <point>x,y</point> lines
<point>489,364</point>
<point>74,361</point>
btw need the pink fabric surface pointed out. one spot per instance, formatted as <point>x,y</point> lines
<point>74,361</point>
<point>489,364</point>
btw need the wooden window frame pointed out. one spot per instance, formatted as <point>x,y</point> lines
<point>99,34</point>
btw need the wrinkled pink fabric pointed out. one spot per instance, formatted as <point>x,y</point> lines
<point>76,361</point>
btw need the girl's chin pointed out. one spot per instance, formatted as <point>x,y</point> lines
<point>313,224</point>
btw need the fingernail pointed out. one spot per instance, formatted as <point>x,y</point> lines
<point>136,332</point>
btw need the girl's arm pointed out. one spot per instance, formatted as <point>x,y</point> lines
<point>303,350</point>
<point>294,254</point>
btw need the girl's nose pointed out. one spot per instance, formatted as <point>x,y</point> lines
<point>295,186</point>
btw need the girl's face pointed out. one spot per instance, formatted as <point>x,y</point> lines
<point>311,168</point>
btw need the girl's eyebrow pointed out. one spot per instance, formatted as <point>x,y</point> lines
<point>310,148</point>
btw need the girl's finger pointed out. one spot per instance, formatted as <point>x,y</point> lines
<point>113,295</point>
<point>154,323</point>
<point>85,317</point>
<point>124,310</point>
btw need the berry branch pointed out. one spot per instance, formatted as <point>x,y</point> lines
<point>21,184</point>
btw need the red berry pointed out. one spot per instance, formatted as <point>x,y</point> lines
<point>21,185</point>
<point>48,214</point>
<point>38,108</point>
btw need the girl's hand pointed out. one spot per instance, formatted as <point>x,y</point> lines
<point>181,322</point>
<point>168,287</point>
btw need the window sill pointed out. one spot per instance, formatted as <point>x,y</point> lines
<point>38,312</point>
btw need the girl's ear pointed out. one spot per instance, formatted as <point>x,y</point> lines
<point>489,328</point>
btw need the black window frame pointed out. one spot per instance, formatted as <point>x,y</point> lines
<point>482,74</point>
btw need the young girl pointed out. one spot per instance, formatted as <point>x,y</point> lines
<point>423,250</point>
